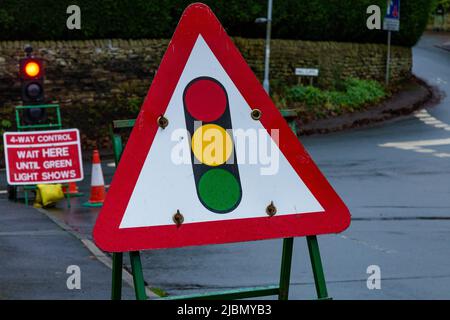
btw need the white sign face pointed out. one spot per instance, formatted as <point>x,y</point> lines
<point>306,72</point>
<point>265,173</point>
<point>391,24</point>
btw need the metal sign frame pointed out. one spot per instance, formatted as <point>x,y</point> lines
<point>281,290</point>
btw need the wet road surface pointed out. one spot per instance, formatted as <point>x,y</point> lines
<point>395,179</point>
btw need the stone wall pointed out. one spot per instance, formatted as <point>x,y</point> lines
<point>335,60</point>
<point>97,81</point>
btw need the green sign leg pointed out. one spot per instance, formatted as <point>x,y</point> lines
<point>26,196</point>
<point>285,274</point>
<point>316,263</point>
<point>68,200</point>
<point>138,277</point>
<point>116,291</point>
<point>117,147</point>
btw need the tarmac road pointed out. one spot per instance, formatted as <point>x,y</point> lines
<point>395,179</point>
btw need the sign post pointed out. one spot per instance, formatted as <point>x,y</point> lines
<point>311,73</point>
<point>190,174</point>
<point>391,23</point>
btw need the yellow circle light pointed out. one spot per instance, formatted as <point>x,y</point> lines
<point>212,145</point>
<point>32,69</point>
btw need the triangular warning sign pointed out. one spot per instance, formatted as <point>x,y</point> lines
<point>210,159</point>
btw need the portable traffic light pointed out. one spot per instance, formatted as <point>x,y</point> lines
<point>32,79</point>
<point>214,165</point>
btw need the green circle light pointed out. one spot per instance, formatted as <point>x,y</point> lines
<point>219,190</point>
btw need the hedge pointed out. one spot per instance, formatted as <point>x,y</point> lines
<point>337,20</point>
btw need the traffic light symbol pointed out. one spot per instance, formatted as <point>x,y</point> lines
<point>214,165</point>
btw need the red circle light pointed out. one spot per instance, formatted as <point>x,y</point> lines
<point>205,100</point>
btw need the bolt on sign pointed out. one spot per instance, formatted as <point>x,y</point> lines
<point>210,159</point>
<point>43,157</point>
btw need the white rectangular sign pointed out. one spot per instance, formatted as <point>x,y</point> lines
<point>391,24</point>
<point>306,72</point>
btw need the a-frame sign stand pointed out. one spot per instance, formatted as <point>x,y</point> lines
<point>205,88</point>
<point>282,290</point>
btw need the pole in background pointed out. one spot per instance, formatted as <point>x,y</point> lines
<point>266,83</point>
<point>388,59</point>
<point>391,23</point>
<point>268,21</point>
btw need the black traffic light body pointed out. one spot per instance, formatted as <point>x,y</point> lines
<point>32,74</point>
<point>215,170</point>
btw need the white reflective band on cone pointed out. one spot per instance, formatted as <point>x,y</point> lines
<point>97,175</point>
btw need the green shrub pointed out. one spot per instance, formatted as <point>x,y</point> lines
<point>325,20</point>
<point>356,95</point>
<point>309,95</point>
<point>358,92</point>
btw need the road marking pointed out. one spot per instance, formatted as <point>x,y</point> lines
<point>441,81</point>
<point>424,150</point>
<point>442,155</point>
<point>407,145</point>
<point>424,116</point>
<point>419,145</point>
<point>3,191</point>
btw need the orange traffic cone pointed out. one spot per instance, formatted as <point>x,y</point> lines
<point>72,190</point>
<point>97,183</point>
